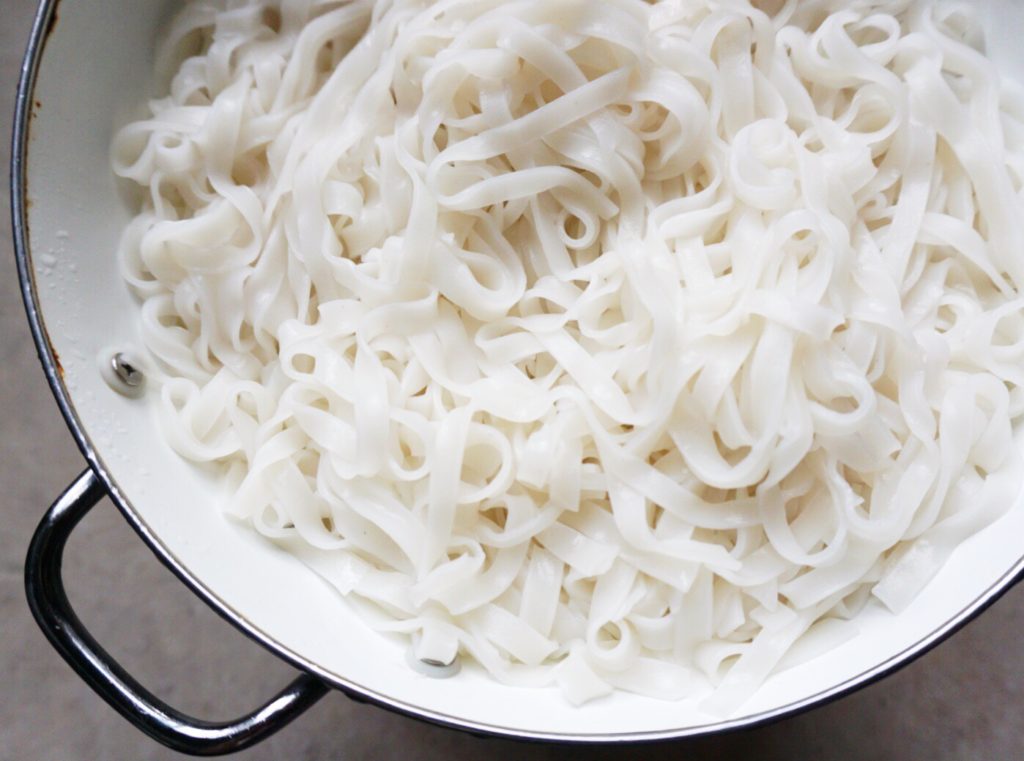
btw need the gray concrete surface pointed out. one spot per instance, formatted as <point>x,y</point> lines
<point>964,700</point>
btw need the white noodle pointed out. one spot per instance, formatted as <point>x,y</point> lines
<point>613,344</point>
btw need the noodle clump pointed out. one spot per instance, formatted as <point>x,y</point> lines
<point>613,344</point>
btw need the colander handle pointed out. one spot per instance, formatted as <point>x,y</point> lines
<point>55,616</point>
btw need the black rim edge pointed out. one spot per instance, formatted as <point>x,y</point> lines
<point>18,187</point>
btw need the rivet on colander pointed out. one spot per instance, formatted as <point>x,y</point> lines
<point>432,668</point>
<point>122,371</point>
<point>126,372</point>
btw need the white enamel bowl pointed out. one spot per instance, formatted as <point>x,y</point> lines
<point>84,75</point>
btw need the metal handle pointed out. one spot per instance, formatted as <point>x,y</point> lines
<point>49,603</point>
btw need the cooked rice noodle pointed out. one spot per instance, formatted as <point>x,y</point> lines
<point>615,344</point>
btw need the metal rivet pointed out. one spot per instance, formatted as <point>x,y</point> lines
<point>431,667</point>
<point>125,371</point>
<point>122,370</point>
